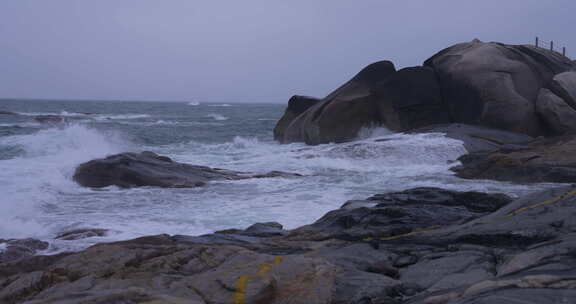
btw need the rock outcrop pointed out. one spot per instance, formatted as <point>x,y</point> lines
<point>545,160</point>
<point>478,138</point>
<point>515,88</point>
<point>128,170</point>
<point>423,245</point>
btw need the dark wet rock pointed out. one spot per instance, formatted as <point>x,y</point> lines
<point>17,249</point>
<point>275,174</point>
<point>478,138</point>
<point>343,113</point>
<point>265,229</point>
<point>543,160</point>
<point>78,234</point>
<point>496,85</point>
<point>409,99</point>
<point>149,169</point>
<point>8,113</point>
<point>50,119</point>
<point>502,252</point>
<point>255,234</point>
<point>296,106</point>
<point>405,212</point>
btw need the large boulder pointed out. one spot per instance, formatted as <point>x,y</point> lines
<point>296,106</point>
<point>343,113</point>
<point>556,104</point>
<point>496,85</point>
<point>128,170</point>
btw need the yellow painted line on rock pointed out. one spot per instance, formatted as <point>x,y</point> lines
<point>240,293</point>
<point>242,281</point>
<point>546,202</point>
<point>266,267</point>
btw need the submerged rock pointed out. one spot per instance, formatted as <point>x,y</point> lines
<point>149,169</point>
<point>50,119</point>
<point>78,234</point>
<point>17,249</point>
<point>8,113</point>
<point>482,249</point>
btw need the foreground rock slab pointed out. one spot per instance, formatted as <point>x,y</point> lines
<point>128,170</point>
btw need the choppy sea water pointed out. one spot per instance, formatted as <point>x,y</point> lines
<point>39,199</point>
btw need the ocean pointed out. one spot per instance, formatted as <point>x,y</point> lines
<point>39,199</point>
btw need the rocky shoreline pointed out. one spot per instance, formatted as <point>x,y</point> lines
<point>424,245</point>
<point>514,109</point>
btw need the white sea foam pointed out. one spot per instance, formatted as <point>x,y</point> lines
<point>61,113</point>
<point>217,116</point>
<point>193,103</point>
<point>41,198</point>
<point>89,115</point>
<point>220,105</point>
<point>42,176</point>
<point>120,116</point>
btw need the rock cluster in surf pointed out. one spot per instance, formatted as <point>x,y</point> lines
<point>516,88</point>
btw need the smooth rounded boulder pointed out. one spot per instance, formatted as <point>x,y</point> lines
<point>343,113</point>
<point>497,85</point>
<point>556,104</point>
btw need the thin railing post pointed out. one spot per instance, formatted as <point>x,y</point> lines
<point>564,51</point>
<point>536,41</point>
<point>551,45</point>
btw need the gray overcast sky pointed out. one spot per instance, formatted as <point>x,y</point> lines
<point>242,50</point>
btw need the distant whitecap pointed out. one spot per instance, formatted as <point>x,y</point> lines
<point>217,116</point>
